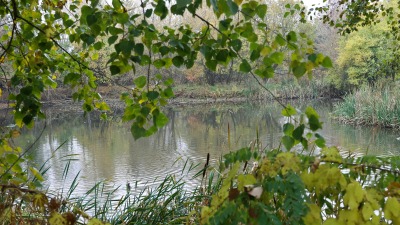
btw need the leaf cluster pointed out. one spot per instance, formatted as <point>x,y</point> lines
<point>289,188</point>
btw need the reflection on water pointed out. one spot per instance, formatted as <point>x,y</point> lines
<point>107,152</point>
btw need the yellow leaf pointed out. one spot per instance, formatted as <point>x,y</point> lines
<point>354,195</point>
<point>245,179</point>
<point>238,2</point>
<point>349,217</point>
<point>376,220</point>
<point>1,92</point>
<point>373,197</point>
<point>391,210</point>
<point>367,211</point>
<point>331,154</point>
<point>36,173</point>
<point>57,219</point>
<point>102,106</point>
<point>265,51</point>
<point>313,216</point>
<point>206,213</point>
<point>287,161</point>
<point>95,56</point>
<point>40,200</point>
<point>331,221</point>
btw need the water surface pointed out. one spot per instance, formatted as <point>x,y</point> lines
<point>98,151</point>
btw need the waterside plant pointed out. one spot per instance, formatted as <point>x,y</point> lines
<point>376,106</point>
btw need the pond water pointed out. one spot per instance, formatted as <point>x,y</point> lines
<point>98,151</point>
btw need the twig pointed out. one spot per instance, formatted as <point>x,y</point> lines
<point>24,153</point>
<point>26,190</point>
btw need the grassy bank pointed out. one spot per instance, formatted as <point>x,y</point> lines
<point>199,92</point>
<point>252,90</point>
<point>376,106</point>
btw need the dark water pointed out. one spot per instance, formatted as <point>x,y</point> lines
<point>100,151</point>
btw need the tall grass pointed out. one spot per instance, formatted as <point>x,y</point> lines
<point>168,202</point>
<point>377,105</point>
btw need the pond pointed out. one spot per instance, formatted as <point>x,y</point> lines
<point>96,150</point>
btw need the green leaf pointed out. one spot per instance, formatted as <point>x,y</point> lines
<point>140,82</point>
<point>232,7</point>
<point>116,4</point>
<point>148,13</point>
<point>292,37</point>
<point>236,44</point>
<point>289,111</point>
<point>288,129</point>
<point>98,45</point>
<point>161,10</point>
<point>261,10</point>
<point>145,60</point>
<point>125,46</point>
<point>288,142</point>
<point>161,119</point>
<point>312,57</point>
<point>313,119</point>
<point>112,39</point>
<point>277,57</point>
<point>169,82</point>
<point>182,3</point>
<point>320,142</point>
<point>122,18</point>
<point>91,19</point>
<point>212,64</point>
<point>298,132</point>
<point>327,63</point>
<point>280,40</point>
<point>139,48</point>
<point>86,10</point>
<point>222,55</point>
<point>152,95</point>
<point>255,55</point>
<point>159,63</point>
<point>137,132</point>
<point>168,93</point>
<point>245,66</point>
<point>115,30</point>
<point>178,61</point>
<point>176,10</point>
<point>164,50</point>
<point>299,70</point>
<point>115,69</point>
<point>11,158</point>
<point>88,39</point>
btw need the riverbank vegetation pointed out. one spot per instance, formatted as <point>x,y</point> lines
<point>367,69</point>
<point>144,47</point>
<point>377,105</point>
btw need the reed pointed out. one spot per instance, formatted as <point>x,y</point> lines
<point>168,202</point>
<point>377,105</point>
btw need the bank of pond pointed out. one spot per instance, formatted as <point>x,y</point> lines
<point>377,106</point>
